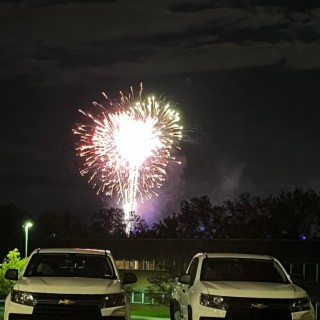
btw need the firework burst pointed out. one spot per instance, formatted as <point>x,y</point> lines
<point>126,151</point>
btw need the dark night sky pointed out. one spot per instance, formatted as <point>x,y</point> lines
<point>244,74</point>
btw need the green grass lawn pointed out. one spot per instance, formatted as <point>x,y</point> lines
<point>149,310</point>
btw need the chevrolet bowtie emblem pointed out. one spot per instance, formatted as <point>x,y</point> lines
<point>67,302</point>
<point>258,306</point>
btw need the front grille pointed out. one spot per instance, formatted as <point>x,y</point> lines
<point>65,307</point>
<point>73,312</point>
<point>258,309</point>
<point>76,299</point>
<point>14,316</point>
<point>242,314</point>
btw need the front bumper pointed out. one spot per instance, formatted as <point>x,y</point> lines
<point>238,313</point>
<point>15,311</point>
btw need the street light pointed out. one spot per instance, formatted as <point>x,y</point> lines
<point>26,226</point>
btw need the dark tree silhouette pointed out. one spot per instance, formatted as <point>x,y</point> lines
<point>108,223</point>
<point>168,228</point>
<point>139,228</point>
<point>50,227</point>
<point>196,218</point>
<point>293,214</point>
<point>288,215</point>
<point>242,218</point>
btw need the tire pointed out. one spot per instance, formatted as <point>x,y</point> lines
<point>189,313</point>
<point>174,310</point>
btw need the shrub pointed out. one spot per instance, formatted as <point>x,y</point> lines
<point>162,283</point>
<point>13,260</point>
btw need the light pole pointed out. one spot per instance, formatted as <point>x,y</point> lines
<point>26,226</point>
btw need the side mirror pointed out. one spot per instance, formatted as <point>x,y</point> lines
<point>185,279</point>
<point>11,274</point>
<point>128,278</point>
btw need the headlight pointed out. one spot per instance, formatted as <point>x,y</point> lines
<point>113,300</point>
<point>23,297</point>
<point>211,301</point>
<point>301,304</point>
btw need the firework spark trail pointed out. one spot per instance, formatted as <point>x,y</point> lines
<point>126,152</point>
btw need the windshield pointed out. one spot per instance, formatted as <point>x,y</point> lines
<point>243,269</point>
<point>70,265</point>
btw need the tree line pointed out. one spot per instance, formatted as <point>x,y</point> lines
<point>289,215</point>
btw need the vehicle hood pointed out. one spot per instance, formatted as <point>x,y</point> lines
<point>254,289</point>
<point>68,285</point>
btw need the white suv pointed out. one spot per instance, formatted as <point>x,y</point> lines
<point>68,283</point>
<point>238,287</point>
